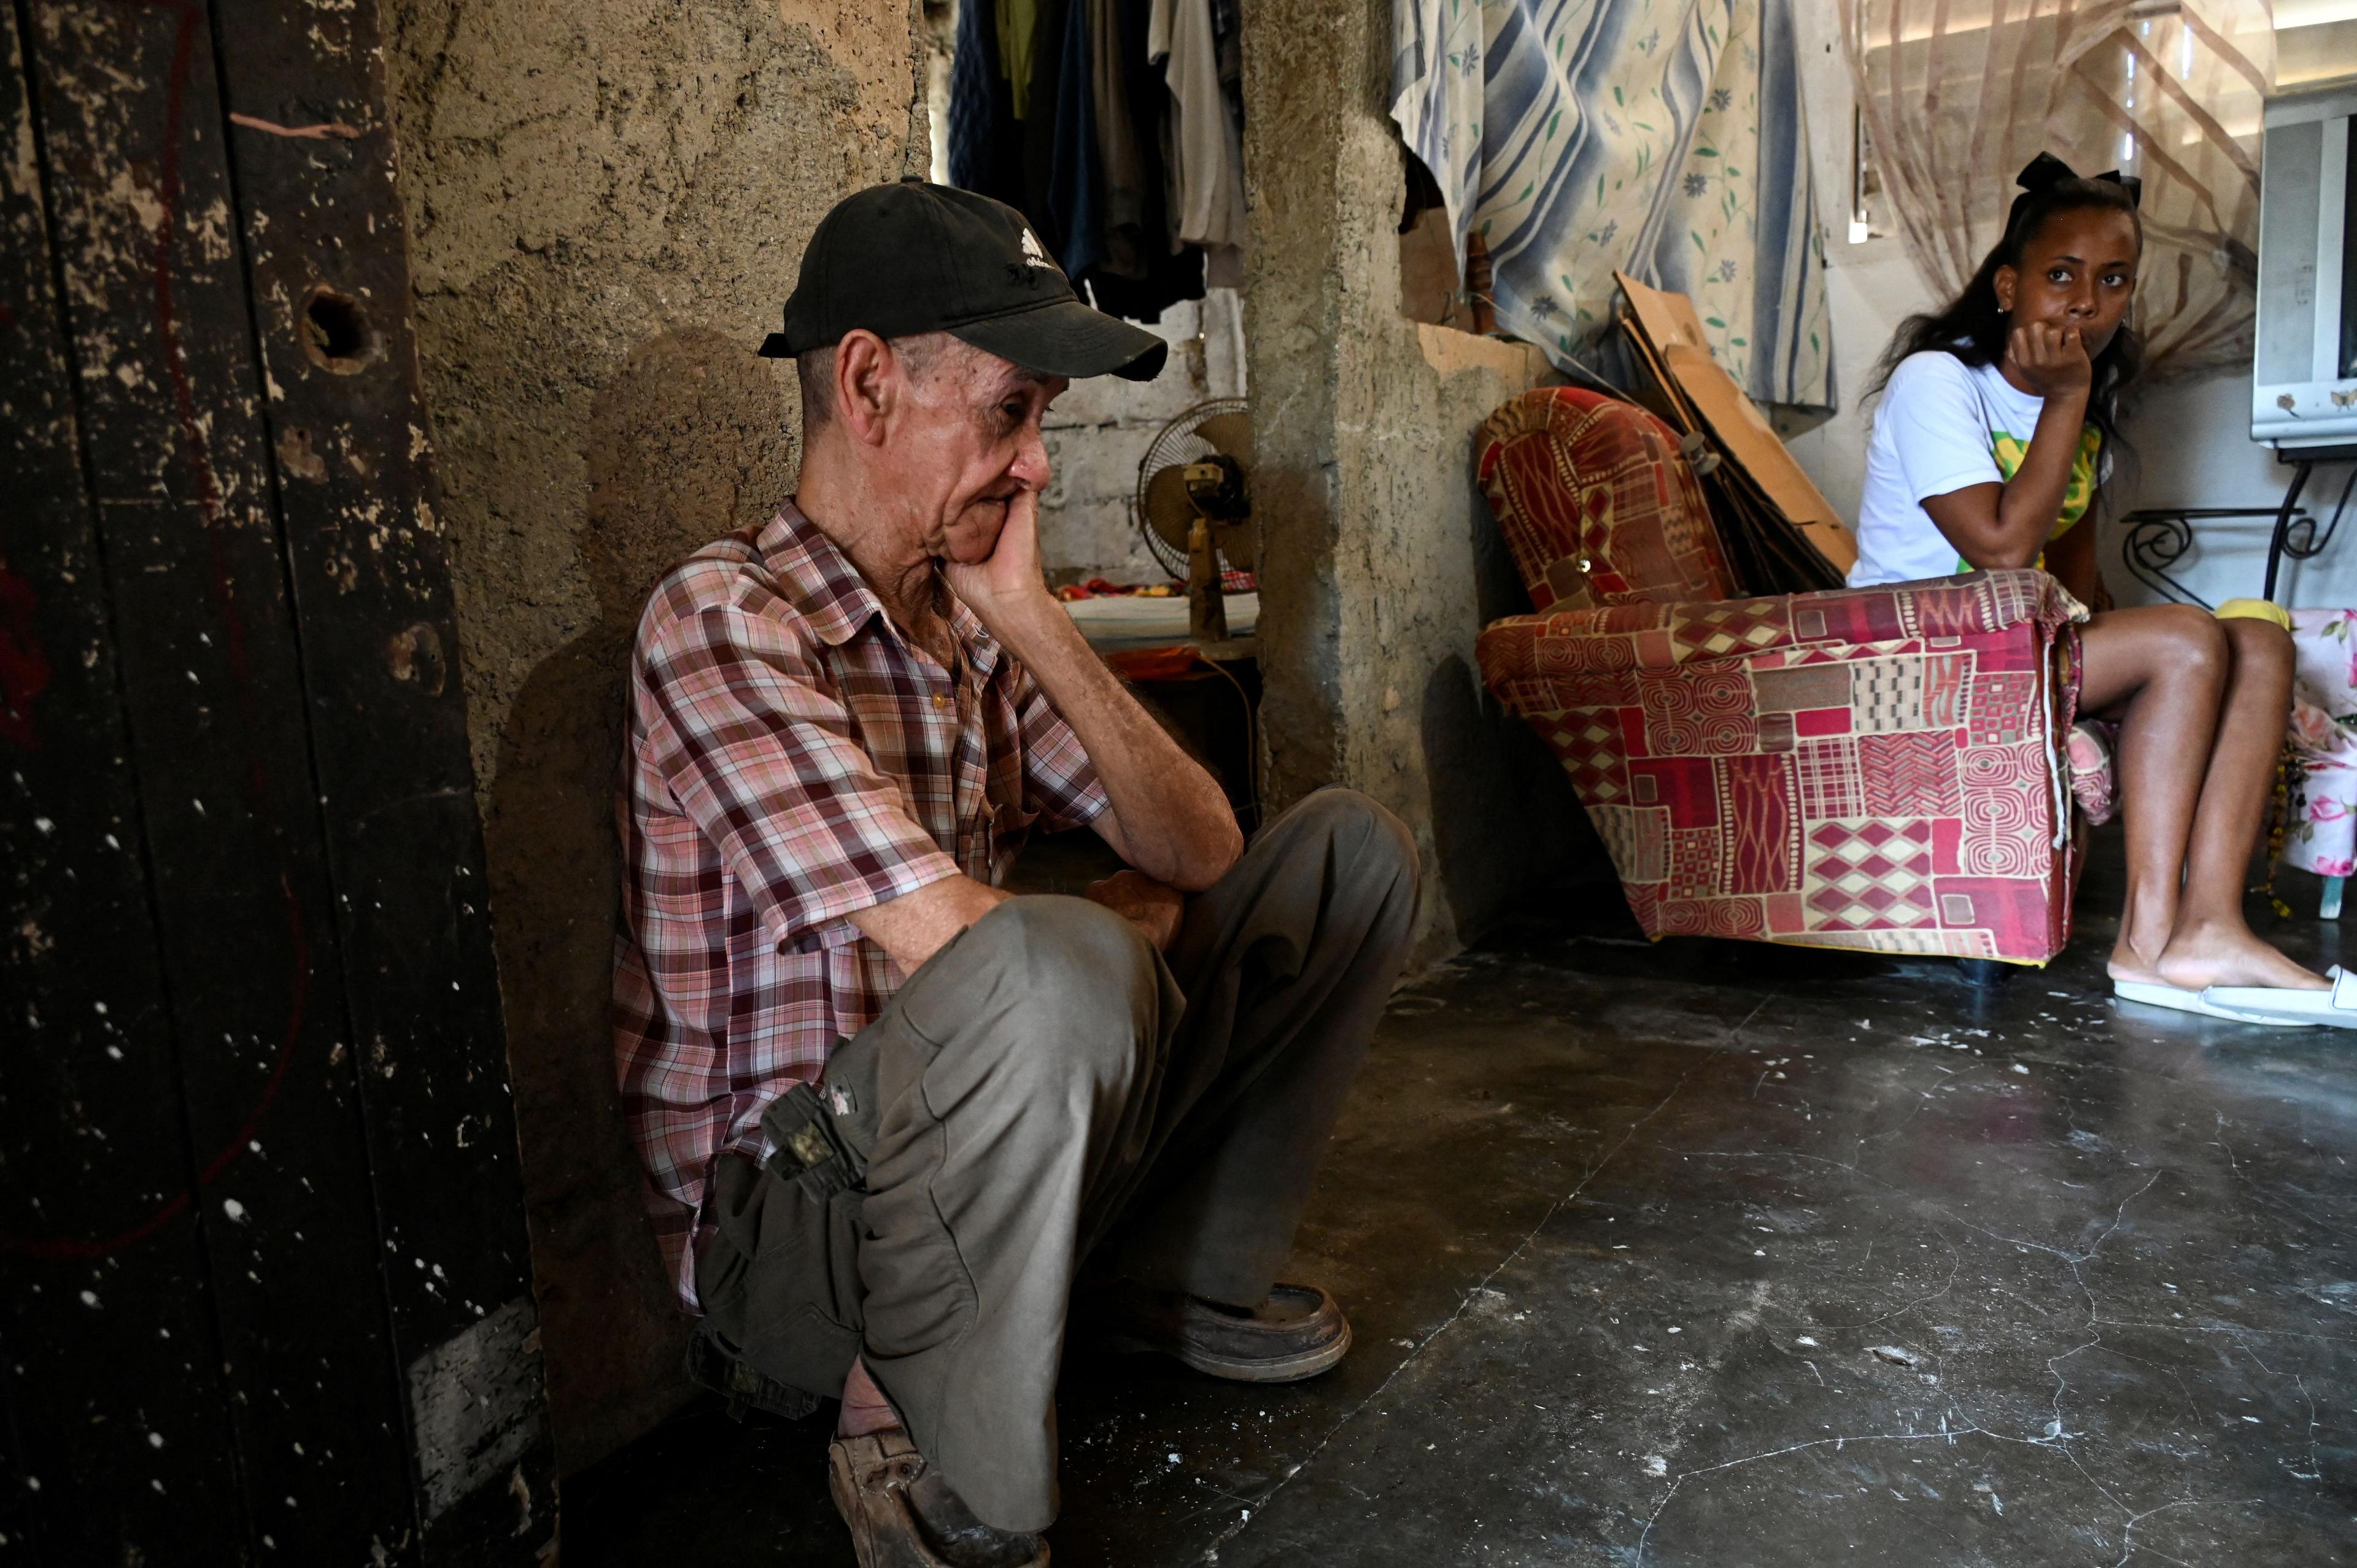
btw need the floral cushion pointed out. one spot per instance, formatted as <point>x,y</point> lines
<point>2322,834</point>
<point>2094,784</point>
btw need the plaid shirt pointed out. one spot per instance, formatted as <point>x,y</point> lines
<point>792,760</point>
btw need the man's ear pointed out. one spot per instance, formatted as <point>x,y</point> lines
<point>866,385</point>
<point>2003,282</point>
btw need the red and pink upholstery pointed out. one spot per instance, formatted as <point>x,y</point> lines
<point>1880,767</point>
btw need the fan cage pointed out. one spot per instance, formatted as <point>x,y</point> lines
<point>1174,445</point>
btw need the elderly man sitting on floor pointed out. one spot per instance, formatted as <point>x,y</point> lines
<point>898,1122</point>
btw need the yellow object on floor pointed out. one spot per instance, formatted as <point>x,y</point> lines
<point>2254,609</point>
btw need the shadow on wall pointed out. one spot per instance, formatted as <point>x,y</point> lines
<point>670,456</point>
<point>1486,767</point>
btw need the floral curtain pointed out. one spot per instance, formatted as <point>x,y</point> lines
<point>1662,137</point>
<point>1958,95</point>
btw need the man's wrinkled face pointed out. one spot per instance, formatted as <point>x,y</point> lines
<point>971,440</point>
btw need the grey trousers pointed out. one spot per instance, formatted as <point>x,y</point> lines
<point>1045,1090</point>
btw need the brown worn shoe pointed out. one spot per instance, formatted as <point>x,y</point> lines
<point>902,1515</point>
<point>1299,1332</point>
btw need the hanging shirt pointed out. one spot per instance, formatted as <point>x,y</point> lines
<point>1076,181</point>
<point>986,139</point>
<point>1120,159</point>
<point>1943,425</point>
<point>1207,159</point>
<point>1143,273</point>
<point>1018,44</point>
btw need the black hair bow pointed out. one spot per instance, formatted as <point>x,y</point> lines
<point>2044,172</point>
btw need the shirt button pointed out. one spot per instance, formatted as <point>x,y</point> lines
<point>940,701</point>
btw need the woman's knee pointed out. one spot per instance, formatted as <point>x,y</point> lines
<point>2193,641</point>
<point>2259,648</point>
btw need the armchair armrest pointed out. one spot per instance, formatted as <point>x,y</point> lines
<point>1654,636</point>
<point>1664,634</point>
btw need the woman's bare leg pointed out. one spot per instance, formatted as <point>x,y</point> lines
<point>2201,706</point>
<point>2212,945</point>
<point>2163,669</point>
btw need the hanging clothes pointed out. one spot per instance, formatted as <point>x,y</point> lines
<point>1029,159</point>
<point>1084,160</point>
<point>1121,164</point>
<point>1228,45</point>
<point>1018,50</point>
<point>1076,178</point>
<point>1038,128</point>
<point>985,140</point>
<point>1205,149</point>
<point>1146,270</point>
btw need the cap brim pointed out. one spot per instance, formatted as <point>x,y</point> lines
<point>1067,339</point>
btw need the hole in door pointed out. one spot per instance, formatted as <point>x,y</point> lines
<point>336,333</point>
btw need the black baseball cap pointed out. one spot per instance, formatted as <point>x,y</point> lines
<point>914,257</point>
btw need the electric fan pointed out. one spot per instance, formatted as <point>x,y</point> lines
<point>1194,508</point>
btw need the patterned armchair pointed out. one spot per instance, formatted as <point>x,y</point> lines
<point>1881,768</point>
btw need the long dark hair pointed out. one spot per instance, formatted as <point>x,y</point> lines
<point>1972,326</point>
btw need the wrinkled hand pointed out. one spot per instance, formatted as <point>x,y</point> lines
<point>1011,571</point>
<point>2052,359</point>
<point>1153,907</point>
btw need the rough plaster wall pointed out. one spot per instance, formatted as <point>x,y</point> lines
<point>606,202</point>
<point>1384,562</point>
<point>1101,428</point>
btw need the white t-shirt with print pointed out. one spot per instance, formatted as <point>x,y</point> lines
<point>1935,431</point>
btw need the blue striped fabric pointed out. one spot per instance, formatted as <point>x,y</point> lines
<point>1662,137</point>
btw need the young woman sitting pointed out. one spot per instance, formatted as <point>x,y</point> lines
<point>1998,418</point>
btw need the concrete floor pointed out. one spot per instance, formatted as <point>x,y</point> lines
<point>1718,1254</point>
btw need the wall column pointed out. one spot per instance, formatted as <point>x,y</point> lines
<point>1380,561</point>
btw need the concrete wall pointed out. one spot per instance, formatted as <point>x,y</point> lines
<point>606,202</point>
<point>1380,561</point>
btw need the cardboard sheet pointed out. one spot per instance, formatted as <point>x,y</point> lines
<point>1681,355</point>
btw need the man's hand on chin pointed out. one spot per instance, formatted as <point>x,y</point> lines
<point>1153,907</point>
<point>1010,575</point>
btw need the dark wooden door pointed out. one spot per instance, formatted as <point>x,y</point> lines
<point>267,1296</point>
